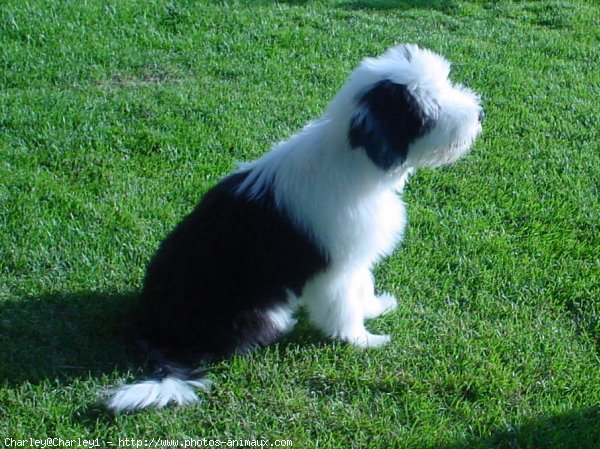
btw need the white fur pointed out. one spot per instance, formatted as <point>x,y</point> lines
<point>282,315</point>
<point>155,393</point>
<point>349,206</point>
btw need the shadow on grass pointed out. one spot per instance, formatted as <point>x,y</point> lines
<point>576,429</point>
<point>381,5</point>
<point>385,5</point>
<point>65,336</point>
<point>68,336</point>
<point>75,335</point>
<point>303,335</point>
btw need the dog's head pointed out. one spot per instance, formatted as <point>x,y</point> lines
<point>404,111</point>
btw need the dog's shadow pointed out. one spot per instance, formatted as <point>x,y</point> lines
<point>66,336</point>
<point>401,5</point>
<point>382,5</point>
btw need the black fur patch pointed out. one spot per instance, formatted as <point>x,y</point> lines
<point>388,119</point>
<point>210,283</point>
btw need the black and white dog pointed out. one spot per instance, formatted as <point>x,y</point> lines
<point>301,226</point>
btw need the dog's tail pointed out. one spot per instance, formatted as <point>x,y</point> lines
<point>171,384</point>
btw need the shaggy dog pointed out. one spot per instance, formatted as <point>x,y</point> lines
<point>302,226</point>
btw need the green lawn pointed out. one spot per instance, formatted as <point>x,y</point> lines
<point>115,117</point>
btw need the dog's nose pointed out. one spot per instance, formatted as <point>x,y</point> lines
<point>481,115</point>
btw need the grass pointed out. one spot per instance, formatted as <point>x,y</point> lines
<point>115,117</point>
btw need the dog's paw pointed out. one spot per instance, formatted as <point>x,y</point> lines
<point>380,305</point>
<point>368,340</point>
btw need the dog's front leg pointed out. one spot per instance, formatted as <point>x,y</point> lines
<point>373,306</point>
<point>335,303</point>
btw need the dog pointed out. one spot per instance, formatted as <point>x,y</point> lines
<point>301,226</point>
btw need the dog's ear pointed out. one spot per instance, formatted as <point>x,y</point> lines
<point>386,121</point>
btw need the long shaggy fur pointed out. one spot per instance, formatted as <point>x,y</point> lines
<point>302,226</point>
